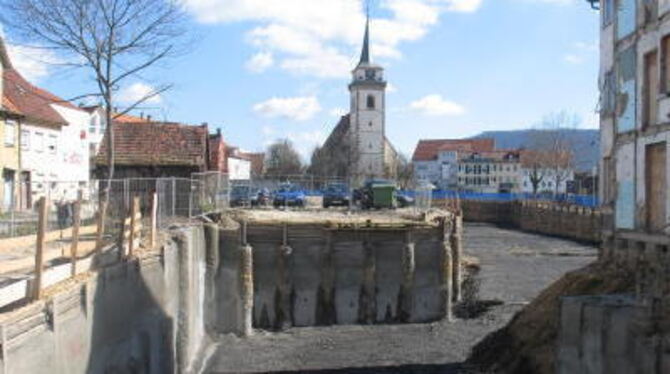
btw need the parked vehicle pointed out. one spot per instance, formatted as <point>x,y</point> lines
<point>240,196</point>
<point>289,195</point>
<point>377,193</point>
<point>336,194</point>
<point>262,197</point>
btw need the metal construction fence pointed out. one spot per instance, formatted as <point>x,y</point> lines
<point>177,198</point>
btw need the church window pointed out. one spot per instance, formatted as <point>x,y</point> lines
<point>370,124</point>
<point>371,102</point>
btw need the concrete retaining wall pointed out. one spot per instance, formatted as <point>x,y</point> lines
<point>144,316</point>
<point>610,335</point>
<point>309,275</point>
<point>571,222</point>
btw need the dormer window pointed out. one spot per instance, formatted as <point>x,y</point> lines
<point>371,102</point>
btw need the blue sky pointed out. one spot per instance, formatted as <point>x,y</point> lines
<point>265,69</point>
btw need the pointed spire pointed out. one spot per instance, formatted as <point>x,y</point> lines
<point>365,53</point>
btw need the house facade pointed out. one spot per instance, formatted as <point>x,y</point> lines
<point>49,141</point>
<point>9,142</point>
<point>490,172</point>
<point>634,114</point>
<point>436,160</point>
<point>227,159</point>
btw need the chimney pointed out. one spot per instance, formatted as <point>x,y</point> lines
<point>148,118</point>
<point>142,115</point>
<point>218,132</point>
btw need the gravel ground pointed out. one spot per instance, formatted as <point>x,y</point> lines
<point>515,267</point>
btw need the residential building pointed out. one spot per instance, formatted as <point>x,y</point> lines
<point>98,124</point>
<point>52,142</point>
<point>155,149</point>
<point>9,138</point>
<point>634,114</point>
<point>257,160</point>
<point>357,147</point>
<point>227,159</point>
<point>490,172</point>
<point>436,160</point>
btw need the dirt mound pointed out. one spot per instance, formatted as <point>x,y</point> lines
<point>526,344</point>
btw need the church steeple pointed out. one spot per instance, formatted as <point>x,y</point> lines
<point>365,53</point>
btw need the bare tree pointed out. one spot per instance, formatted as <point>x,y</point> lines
<point>404,172</point>
<point>281,159</point>
<point>113,39</point>
<point>551,150</point>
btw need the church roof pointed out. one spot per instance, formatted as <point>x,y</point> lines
<point>365,52</point>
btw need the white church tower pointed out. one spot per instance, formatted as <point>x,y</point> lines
<point>367,115</point>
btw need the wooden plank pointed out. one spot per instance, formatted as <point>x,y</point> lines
<point>135,211</point>
<point>75,233</point>
<point>154,215</point>
<point>100,230</point>
<point>39,250</point>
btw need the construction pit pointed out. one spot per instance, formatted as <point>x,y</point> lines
<point>269,291</point>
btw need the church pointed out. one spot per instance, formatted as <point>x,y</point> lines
<point>357,148</point>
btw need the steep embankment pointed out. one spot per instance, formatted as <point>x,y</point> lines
<point>526,344</point>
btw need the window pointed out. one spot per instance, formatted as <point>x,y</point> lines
<point>608,8</point>
<point>52,144</point>
<point>371,102</point>
<point>665,64</point>
<point>650,90</point>
<point>39,142</point>
<point>10,133</point>
<point>25,139</point>
<point>370,124</point>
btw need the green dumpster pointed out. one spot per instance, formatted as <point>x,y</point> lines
<point>383,196</point>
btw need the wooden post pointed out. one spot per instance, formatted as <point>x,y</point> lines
<point>75,233</point>
<point>39,250</point>
<point>134,224</point>
<point>154,220</point>
<point>100,230</point>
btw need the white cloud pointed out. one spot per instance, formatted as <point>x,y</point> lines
<point>573,59</point>
<point>136,92</point>
<point>322,37</point>
<point>435,105</point>
<point>33,63</point>
<point>292,108</point>
<point>338,112</point>
<point>260,62</point>
<point>390,88</point>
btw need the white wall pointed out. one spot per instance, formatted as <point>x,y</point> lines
<point>74,145</point>
<point>239,169</point>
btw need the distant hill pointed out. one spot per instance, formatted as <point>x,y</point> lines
<point>586,143</point>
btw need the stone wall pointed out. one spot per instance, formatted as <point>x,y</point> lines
<point>311,275</point>
<point>566,221</point>
<point>142,315</point>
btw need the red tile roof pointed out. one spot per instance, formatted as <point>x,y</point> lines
<point>127,118</point>
<point>31,101</point>
<point>428,149</point>
<point>9,106</point>
<point>157,144</point>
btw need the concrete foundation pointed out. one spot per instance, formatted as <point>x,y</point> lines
<point>141,316</point>
<point>315,274</point>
